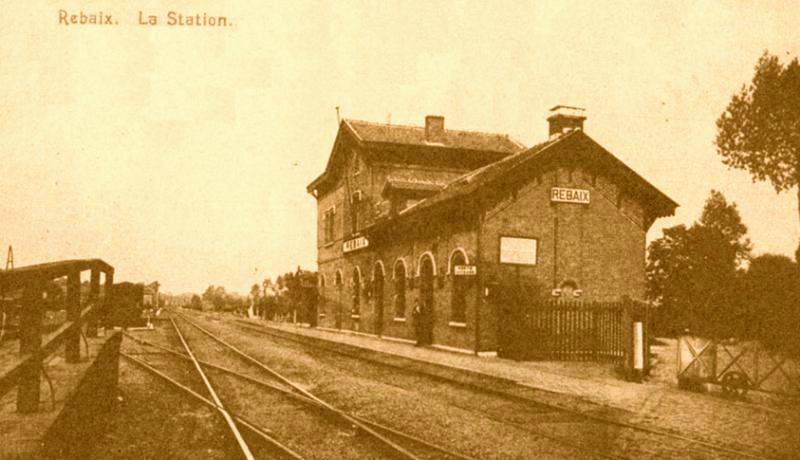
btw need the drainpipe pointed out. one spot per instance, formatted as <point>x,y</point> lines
<point>480,298</point>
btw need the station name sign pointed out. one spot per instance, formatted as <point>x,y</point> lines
<point>569,195</point>
<point>465,270</point>
<point>355,244</point>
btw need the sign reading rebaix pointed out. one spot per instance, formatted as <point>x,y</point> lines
<point>355,244</point>
<point>465,270</point>
<point>569,195</point>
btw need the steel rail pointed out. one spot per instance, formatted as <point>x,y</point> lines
<point>262,330</point>
<point>261,432</point>
<point>312,402</point>
<point>306,400</point>
<point>558,439</point>
<point>396,448</point>
<point>227,416</point>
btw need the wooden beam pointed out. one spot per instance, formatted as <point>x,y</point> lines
<point>72,347</point>
<point>107,294</point>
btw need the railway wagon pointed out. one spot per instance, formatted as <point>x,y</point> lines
<point>127,305</point>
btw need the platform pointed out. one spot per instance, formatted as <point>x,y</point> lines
<point>593,387</point>
<point>82,391</point>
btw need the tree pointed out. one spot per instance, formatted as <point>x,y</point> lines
<point>296,291</point>
<point>770,297</point>
<point>723,225</point>
<point>255,296</point>
<point>760,129</point>
<point>221,300</point>
<point>691,272</point>
<point>208,294</point>
<point>196,302</point>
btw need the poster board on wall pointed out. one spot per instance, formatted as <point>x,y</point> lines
<point>518,251</point>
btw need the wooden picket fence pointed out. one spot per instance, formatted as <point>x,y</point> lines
<point>570,330</point>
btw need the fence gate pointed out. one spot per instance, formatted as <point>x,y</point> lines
<point>570,331</point>
<point>736,366</point>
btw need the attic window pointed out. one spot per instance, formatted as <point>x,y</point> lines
<point>355,209</point>
<point>356,162</point>
<point>328,224</point>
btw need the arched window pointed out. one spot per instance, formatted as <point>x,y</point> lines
<point>450,263</point>
<point>338,279</point>
<point>458,297</point>
<point>399,289</point>
<point>356,291</point>
<point>321,280</point>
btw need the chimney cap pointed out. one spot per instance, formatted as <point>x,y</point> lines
<point>434,128</point>
<point>565,118</point>
<point>567,111</point>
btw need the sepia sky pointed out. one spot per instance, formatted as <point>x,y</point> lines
<point>182,154</point>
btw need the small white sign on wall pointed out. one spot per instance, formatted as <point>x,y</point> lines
<point>355,244</point>
<point>465,270</point>
<point>520,251</point>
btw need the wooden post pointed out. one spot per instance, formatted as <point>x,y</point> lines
<point>647,339</point>
<point>30,342</point>
<point>72,344</point>
<point>106,310</point>
<point>94,295</point>
<point>627,337</point>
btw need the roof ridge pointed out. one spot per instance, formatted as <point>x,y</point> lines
<point>400,125</point>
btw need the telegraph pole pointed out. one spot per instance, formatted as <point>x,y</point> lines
<point>10,258</point>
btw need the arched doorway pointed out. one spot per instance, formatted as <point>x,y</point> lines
<point>377,296</point>
<point>426,273</point>
<point>400,289</point>
<point>458,293</point>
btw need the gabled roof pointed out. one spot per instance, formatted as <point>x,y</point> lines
<point>483,147</point>
<point>415,135</point>
<point>478,180</point>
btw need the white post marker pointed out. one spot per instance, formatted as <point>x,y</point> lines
<point>638,346</point>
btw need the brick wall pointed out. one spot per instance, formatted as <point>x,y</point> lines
<point>599,246</point>
<point>440,245</point>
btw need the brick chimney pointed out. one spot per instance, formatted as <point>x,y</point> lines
<point>434,128</point>
<point>564,118</point>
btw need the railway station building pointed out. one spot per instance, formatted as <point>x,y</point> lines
<point>444,219</point>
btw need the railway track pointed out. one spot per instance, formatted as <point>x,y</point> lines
<point>374,440</point>
<point>671,443</point>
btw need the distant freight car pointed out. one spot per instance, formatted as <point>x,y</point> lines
<point>127,305</point>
